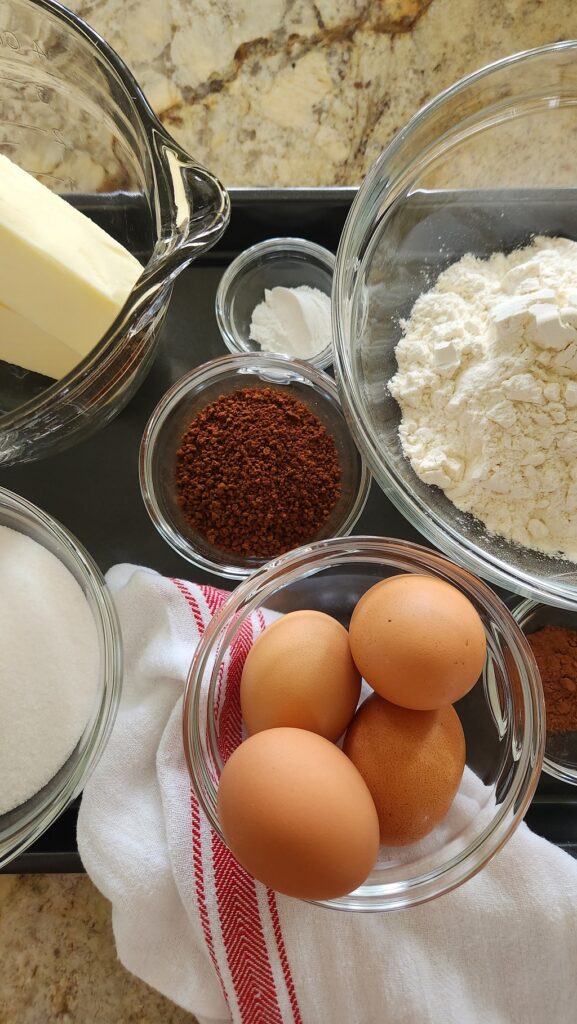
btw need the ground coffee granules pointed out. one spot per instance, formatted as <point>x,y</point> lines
<point>555,650</point>
<point>257,473</point>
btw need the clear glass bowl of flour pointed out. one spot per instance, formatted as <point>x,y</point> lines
<point>484,168</point>
<point>25,822</point>
<point>288,263</point>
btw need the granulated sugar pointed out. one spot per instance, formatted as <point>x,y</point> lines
<point>48,666</point>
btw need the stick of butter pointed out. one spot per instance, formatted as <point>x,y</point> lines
<point>59,271</point>
<point>26,345</point>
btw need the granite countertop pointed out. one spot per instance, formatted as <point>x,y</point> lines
<point>291,92</point>
<point>265,93</point>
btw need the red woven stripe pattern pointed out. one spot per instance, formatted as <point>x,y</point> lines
<point>199,888</point>
<point>273,907</point>
<point>239,917</point>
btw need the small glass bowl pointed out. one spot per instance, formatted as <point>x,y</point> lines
<point>289,262</point>
<point>194,392</point>
<point>22,826</point>
<point>502,716</point>
<point>560,758</point>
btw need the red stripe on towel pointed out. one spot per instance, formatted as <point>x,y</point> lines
<point>199,888</point>
<point>195,820</point>
<point>199,620</point>
<point>214,598</point>
<point>192,604</point>
<point>230,722</point>
<point>283,956</point>
<point>236,893</point>
<point>218,696</point>
<point>244,940</point>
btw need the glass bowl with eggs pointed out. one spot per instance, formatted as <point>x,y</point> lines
<point>455,323</point>
<point>339,782</point>
<point>61,669</point>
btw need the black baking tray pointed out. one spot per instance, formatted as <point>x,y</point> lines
<point>93,488</point>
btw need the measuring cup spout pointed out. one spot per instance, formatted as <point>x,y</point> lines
<point>209,206</point>
<point>194,207</point>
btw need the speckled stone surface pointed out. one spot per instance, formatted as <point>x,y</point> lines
<point>291,92</point>
<point>58,962</point>
<point>265,93</point>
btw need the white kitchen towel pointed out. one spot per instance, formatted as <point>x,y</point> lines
<point>501,949</point>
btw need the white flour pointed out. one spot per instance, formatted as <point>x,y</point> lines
<point>48,666</point>
<point>292,321</point>
<point>487,385</point>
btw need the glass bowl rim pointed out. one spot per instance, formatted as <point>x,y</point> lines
<point>221,369</point>
<point>551,590</point>
<point>229,280</point>
<point>303,562</point>
<point>556,769</point>
<point>26,830</point>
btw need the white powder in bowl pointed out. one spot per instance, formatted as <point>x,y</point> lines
<point>292,322</point>
<point>48,666</point>
<point>487,385</point>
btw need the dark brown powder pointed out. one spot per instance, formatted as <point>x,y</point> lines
<point>257,473</point>
<point>555,650</point>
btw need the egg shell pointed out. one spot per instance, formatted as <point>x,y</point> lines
<point>300,673</point>
<point>297,815</point>
<point>412,763</point>
<point>418,641</point>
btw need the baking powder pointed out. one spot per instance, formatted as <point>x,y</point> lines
<point>487,385</point>
<point>293,321</point>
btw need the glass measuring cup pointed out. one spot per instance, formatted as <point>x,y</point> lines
<point>72,114</point>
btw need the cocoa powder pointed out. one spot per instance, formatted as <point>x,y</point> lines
<point>257,473</point>
<point>555,650</point>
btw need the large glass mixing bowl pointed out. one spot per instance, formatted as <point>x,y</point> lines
<point>482,168</point>
<point>72,114</point>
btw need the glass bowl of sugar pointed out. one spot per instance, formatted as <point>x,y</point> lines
<point>60,672</point>
<point>276,297</point>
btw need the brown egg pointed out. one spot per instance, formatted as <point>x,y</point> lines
<point>418,641</point>
<point>300,673</point>
<point>412,762</point>
<point>297,815</point>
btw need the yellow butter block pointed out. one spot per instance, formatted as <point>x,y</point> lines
<point>58,269</point>
<point>26,345</point>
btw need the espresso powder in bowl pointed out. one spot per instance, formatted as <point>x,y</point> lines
<point>257,473</point>
<point>247,457</point>
<point>555,651</point>
<point>552,635</point>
